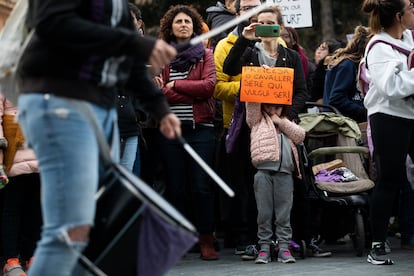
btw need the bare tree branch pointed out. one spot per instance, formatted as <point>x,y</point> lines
<point>143,2</point>
<point>327,19</point>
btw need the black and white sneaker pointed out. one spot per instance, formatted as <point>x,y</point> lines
<point>239,250</point>
<point>250,253</point>
<point>315,251</point>
<point>377,255</point>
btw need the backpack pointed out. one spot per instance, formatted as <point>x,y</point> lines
<point>408,53</point>
<point>14,38</point>
<point>236,124</point>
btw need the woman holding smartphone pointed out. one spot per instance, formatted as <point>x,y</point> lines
<point>267,52</point>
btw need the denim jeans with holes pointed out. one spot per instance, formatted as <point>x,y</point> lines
<point>129,153</point>
<point>68,155</point>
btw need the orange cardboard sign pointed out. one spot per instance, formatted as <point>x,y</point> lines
<point>271,85</point>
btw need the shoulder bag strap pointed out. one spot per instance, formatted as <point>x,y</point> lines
<point>398,48</point>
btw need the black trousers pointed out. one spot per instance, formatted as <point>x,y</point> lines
<point>21,216</point>
<point>393,139</point>
<point>238,214</point>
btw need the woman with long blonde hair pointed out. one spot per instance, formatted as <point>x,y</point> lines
<point>341,78</point>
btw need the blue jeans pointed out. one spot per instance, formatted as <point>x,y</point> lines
<point>136,169</point>
<point>129,153</point>
<point>67,150</point>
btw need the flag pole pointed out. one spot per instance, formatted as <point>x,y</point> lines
<point>205,167</point>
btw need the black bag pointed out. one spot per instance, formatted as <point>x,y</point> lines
<point>236,124</point>
<point>124,204</point>
<point>131,217</point>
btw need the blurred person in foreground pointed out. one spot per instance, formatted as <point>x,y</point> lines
<point>81,52</point>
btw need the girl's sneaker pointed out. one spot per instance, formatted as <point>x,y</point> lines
<point>315,251</point>
<point>263,257</point>
<point>284,256</point>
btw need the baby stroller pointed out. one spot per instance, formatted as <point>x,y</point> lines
<point>331,146</point>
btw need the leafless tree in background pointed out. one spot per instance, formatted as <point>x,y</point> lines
<point>327,24</point>
<point>143,2</point>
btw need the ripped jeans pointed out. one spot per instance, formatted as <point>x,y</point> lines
<point>67,151</point>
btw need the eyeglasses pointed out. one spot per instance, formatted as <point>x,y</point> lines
<point>322,47</point>
<point>409,7</point>
<point>246,8</point>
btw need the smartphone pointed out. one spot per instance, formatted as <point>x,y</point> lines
<point>267,30</point>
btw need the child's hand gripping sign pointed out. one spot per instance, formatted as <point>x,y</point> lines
<point>267,85</point>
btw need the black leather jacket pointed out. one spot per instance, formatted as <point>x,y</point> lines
<point>84,50</point>
<point>244,53</point>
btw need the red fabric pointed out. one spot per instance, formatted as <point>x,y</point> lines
<point>197,89</point>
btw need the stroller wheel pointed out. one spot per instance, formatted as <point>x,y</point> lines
<point>359,234</point>
<point>303,249</point>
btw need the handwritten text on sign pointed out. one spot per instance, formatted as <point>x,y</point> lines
<point>296,13</point>
<point>271,85</point>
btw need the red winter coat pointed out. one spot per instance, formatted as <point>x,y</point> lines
<point>197,89</point>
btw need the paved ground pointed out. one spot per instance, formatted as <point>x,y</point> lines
<point>342,262</point>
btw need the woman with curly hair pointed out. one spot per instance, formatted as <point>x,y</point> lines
<point>189,82</point>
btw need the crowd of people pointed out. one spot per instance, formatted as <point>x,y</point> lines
<point>141,84</point>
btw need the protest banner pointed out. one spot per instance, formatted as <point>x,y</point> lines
<point>296,13</point>
<point>267,85</point>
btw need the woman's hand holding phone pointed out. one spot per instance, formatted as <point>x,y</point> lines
<point>256,30</point>
<point>249,31</point>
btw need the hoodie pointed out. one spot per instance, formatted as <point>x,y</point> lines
<point>217,16</point>
<point>86,50</point>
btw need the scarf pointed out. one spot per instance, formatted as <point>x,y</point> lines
<point>187,57</point>
<point>263,56</point>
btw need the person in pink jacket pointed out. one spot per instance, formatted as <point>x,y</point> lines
<point>21,214</point>
<point>273,152</point>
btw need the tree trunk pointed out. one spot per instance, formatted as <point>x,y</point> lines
<point>143,2</point>
<point>327,23</point>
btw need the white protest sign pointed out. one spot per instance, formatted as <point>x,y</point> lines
<point>296,13</point>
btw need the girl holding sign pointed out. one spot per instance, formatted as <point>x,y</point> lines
<point>275,161</point>
<point>275,156</point>
<point>268,51</point>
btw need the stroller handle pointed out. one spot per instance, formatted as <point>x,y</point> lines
<point>338,149</point>
<point>327,106</point>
